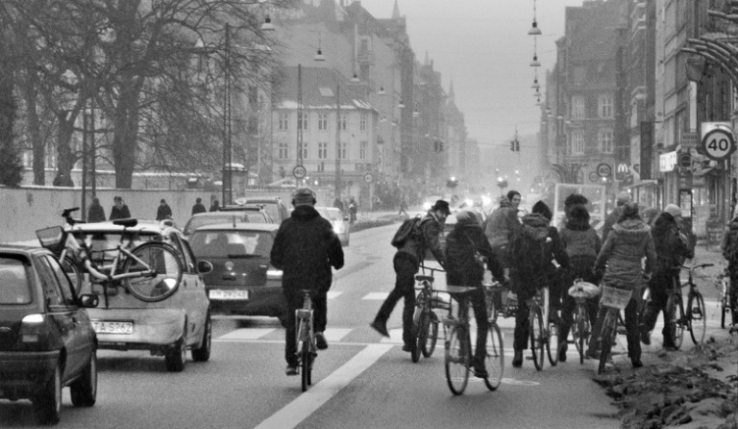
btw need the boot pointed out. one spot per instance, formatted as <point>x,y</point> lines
<point>517,361</point>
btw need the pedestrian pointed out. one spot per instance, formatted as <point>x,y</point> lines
<point>403,207</point>
<point>671,249</point>
<point>95,213</point>
<point>198,207</point>
<point>119,210</point>
<point>163,211</point>
<point>337,203</point>
<point>353,208</point>
<point>500,227</point>
<point>406,263</point>
<point>582,245</point>
<point>514,197</point>
<point>611,219</point>
<point>729,246</point>
<point>621,261</point>
<point>215,206</point>
<point>467,251</point>
<point>305,248</point>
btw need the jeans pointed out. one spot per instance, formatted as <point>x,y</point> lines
<point>405,267</point>
<point>633,333</point>
<point>293,301</point>
<point>659,295</point>
<point>522,323</point>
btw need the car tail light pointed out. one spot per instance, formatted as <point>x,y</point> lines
<point>33,329</point>
<point>274,274</point>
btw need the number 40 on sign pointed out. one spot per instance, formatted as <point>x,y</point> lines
<point>719,143</point>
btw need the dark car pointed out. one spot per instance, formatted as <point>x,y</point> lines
<point>242,281</point>
<point>276,208</point>
<point>46,338</point>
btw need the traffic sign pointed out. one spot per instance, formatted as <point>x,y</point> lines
<point>604,170</point>
<point>684,160</point>
<point>299,172</point>
<point>368,177</point>
<point>594,177</point>
<point>719,143</point>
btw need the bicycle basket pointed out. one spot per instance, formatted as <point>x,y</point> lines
<point>616,298</point>
<point>53,238</point>
<point>584,290</point>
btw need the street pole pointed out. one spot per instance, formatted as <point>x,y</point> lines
<point>226,121</point>
<point>85,156</point>
<point>338,142</point>
<point>300,121</point>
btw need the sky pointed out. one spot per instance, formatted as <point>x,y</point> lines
<point>484,47</point>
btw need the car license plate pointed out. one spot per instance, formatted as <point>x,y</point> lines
<point>113,327</point>
<point>229,294</point>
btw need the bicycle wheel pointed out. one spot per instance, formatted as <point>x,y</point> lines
<point>73,272</point>
<point>166,275</point>
<point>537,343</point>
<point>489,300</point>
<point>581,340</point>
<point>457,360</point>
<point>429,345</point>
<point>552,344</point>
<point>305,363</point>
<point>419,333</point>
<point>697,317</point>
<point>675,322</point>
<point>495,359</point>
<point>606,340</point>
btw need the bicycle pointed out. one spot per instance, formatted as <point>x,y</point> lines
<point>543,334</point>
<point>458,346</point>
<point>695,318</point>
<point>614,300</point>
<point>726,304</point>
<point>151,271</point>
<point>581,327</point>
<point>425,320</point>
<point>60,250</point>
<point>307,348</point>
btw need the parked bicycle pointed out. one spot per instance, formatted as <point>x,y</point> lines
<point>458,345</point>
<point>614,300</point>
<point>581,327</point>
<point>425,320</point>
<point>60,250</point>
<point>306,343</point>
<point>151,271</point>
<point>727,303</point>
<point>694,318</point>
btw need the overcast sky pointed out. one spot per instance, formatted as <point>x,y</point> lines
<point>484,46</point>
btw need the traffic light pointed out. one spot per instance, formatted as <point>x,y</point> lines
<point>512,145</point>
<point>515,145</point>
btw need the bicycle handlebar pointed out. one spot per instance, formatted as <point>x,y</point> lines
<point>67,214</point>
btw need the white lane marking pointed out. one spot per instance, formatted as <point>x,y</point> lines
<point>336,334</point>
<point>333,294</point>
<point>395,337</point>
<point>304,405</point>
<point>246,334</point>
<point>376,296</point>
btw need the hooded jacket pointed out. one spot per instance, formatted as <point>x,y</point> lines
<point>628,242</point>
<point>418,247</point>
<point>528,259</point>
<point>501,225</point>
<point>578,237</point>
<point>461,266</point>
<point>305,248</point>
<point>671,248</point>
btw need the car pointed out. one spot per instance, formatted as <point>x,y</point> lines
<point>242,281</point>
<point>276,208</point>
<point>258,212</point>
<point>166,328</point>
<point>339,221</point>
<point>247,214</point>
<point>47,340</point>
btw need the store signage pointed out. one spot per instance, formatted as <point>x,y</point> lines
<point>667,161</point>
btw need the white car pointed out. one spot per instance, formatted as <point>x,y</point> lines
<point>340,222</point>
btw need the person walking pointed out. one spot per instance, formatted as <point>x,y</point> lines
<point>500,227</point>
<point>463,268</point>
<point>215,206</point>
<point>406,263</point>
<point>729,246</point>
<point>119,210</point>
<point>163,211</point>
<point>671,250</point>
<point>198,207</point>
<point>305,248</point>
<point>95,213</point>
<point>621,261</point>
<point>614,216</point>
<point>403,207</point>
<point>352,208</point>
<point>337,203</point>
<point>582,245</point>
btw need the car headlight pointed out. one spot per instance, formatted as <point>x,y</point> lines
<point>274,274</point>
<point>427,205</point>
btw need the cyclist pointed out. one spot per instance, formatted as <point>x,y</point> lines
<point>614,216</point>
<point>582,244</point>
<point>406,263</point>
<point>466,250</point>
<point>671,249</point>
<point>730,253</point>
<point>622,253</point>
<point>500,227</point>
<point>304,249</point>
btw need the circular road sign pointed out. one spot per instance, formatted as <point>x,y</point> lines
<point>368,178</point>
<point>594,177</point>
<point>604,170</point>
<point>299,172</point>
<point>719,143</point>
<point>684,160</point>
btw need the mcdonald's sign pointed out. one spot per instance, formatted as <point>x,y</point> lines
<point>621,171</point>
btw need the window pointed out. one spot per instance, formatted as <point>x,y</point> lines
<point>54,296</point>
<point>342,150</point>
<point>323,150</point>
<point>605,107</point>
<point>283,121</point>
<point>577,107</point>
<point>304,149</point>
<point>302,121</point>
<point>343,122</point>
<point>606,141</point>
<point>363,146</point>
<point>322,121</point>
<point>64,284</point>
<point>284,152</point>
<point>363,121</point>
<point>577,142</point>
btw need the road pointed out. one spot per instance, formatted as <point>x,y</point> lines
<point>361,381</point>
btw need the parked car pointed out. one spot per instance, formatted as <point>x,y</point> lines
<point>47,340</point>
<point>242,281</point>
<point>277,209</point>
<point>339,221</point>
<point>252,214</point>
<point>166,328</point>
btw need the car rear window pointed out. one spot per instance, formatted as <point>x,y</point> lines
<point>14,285</point>
<point>271,208</point>
<point>199,221</point>
<point>231,244</point>
<point>257,218</point>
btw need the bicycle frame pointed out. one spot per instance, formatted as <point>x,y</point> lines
<point>304,319</point>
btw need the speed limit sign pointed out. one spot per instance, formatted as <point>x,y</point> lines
<point>718,143</point>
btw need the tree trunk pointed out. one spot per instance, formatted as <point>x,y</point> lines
<point>125,142</point>
<point>65,157</point>
<point>33,127</point>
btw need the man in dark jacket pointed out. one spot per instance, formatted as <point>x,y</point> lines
<point>671,249</point>
<point>500,227</point>
<point>463,269</point>
<point>406,263</point>
<point>96,213</point>
<point>163,211</point>
<point>305,249</point>
<point>614,215</point>
<point>119,210</point>
<point>199,207</point>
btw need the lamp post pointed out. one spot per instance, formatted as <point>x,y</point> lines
<point>227,191</point>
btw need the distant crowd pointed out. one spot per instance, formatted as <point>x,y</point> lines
<point>96,213</point>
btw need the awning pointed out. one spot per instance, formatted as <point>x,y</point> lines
<point>703,171</point>
<point>644,184</point>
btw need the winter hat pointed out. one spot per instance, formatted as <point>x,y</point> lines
<point>630,210</point>
<point>542,209</point>
<point>466,217</point>
<point>622,198</point>
<point>575,199</point>
<point>441,205</point>
<point>303,196</point>
<point>673,210</point>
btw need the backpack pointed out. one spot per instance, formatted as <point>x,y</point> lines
<point>409,229</point>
